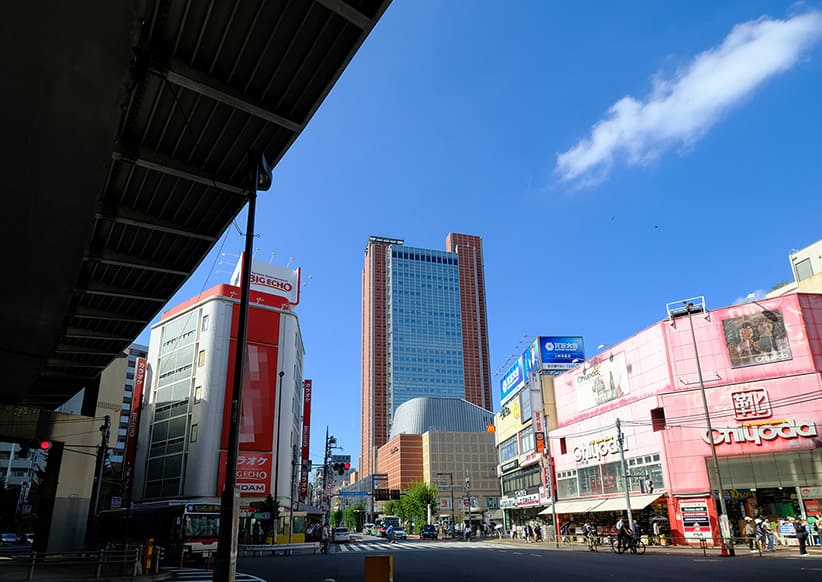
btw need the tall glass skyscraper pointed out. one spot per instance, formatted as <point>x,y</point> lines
<point>424,331</point>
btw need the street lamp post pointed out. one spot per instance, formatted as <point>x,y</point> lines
<point>468,494</point>
<point>277,451</point>
<point>690,309</point>
<point>451,488</point>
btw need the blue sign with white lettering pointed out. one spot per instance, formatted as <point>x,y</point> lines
<point>561,353</point>
<point>513,379</point>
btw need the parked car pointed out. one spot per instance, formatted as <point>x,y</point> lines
<point>399,534</point>
<point>8,538</point>
<point>428,531</point>
<point>341,535</point>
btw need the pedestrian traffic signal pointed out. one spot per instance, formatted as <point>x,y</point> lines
<point>45,445</point>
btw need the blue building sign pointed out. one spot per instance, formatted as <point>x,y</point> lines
<point>512,380</point>
<point>561,353</point>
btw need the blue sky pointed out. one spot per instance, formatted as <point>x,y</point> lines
<point>613,156</point>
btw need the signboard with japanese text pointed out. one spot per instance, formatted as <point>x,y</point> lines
<point>253,473</point>
<point>513,379</point>
<point>134,414</point>
<point>272,279</point>
<point>306,439</point>
<point>561,353</point>
<point>696,522</point>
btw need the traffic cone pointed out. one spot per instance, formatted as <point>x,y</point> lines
<point>724,551</point>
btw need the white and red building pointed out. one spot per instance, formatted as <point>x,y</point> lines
<point>184,413</point>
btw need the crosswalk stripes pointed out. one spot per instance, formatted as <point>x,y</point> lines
<point>413,546</point>
<point>197,575</point>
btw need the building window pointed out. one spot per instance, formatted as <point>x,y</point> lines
<point>563,446</point>
<point>525,406</point>
<point>804,269</point>
<point>195,432</point>
<point>198,394</point>
<point>201,359</point>
<point>508,449</point>
<point>205,323</point>
<point>527,439</point>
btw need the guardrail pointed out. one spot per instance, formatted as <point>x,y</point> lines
<point>87,564</point>
<point>278,549</point>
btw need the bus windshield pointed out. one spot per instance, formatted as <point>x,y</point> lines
<point>201,526</point>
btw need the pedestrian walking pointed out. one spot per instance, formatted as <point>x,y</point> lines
<point>749,532</point>
<point>657,539</point>
<point>324,539</point>
<point>759,532</point>
<point>801,527</point>
<point>770,538</point>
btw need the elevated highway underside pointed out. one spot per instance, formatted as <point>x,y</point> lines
<point>126,131</point>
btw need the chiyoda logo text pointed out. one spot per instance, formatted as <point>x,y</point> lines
<point>756,433</point>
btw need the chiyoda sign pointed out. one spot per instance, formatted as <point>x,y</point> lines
<point>596,450</point>
<point>751,404</point>
<point>757,432</point>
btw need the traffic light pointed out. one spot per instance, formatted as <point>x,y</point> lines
<point>23,452</point>
<point>45,445</point>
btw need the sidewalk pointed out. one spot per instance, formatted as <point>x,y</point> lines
<point>14,571</point>
<point>741,550</point>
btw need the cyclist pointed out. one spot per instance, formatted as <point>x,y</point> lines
<point>590,533</point>
<point>624,533</point>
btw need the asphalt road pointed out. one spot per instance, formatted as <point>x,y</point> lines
<point>455,561</point>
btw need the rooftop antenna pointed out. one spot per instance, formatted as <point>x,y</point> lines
<point>288,264</point>
<point>273,254</point>
<point>256,250</point>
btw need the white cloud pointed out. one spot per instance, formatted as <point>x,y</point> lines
<point>681,109</point>
<point>754,295</point>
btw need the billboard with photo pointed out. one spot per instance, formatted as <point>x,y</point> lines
<point>756,339</point>
<point>604,381</point>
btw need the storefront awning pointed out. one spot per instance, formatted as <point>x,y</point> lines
<point>581,506</point>
<point>618,503</point>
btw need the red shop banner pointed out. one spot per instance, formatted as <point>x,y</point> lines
<point>253,473</point>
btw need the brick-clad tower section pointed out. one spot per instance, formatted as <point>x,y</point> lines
<point>474,317</point>
<point>374,384</point>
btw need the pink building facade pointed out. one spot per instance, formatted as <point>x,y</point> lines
<point>760,365</point>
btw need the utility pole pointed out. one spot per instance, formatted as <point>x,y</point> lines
<point>724,527</point>
<point>294,462</point>
<point>627,475</point>
<point>105,431</point>
<point>225,563</point>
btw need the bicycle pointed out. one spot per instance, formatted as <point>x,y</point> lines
<point>592,542</point>
<point>634,545</point>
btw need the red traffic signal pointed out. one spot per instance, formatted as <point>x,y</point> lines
<point>346,466</point>
<point>45,445</point>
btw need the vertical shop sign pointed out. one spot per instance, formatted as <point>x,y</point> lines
<point>696,521</point>
<point>134,414</point>
<point>306,440</point>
